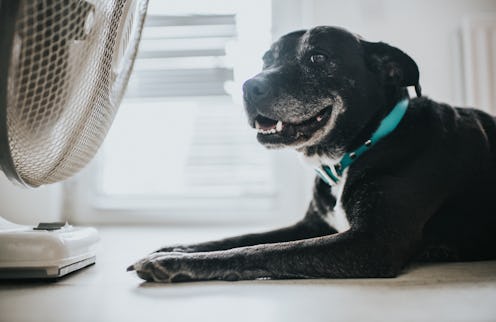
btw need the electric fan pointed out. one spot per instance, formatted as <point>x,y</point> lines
<point>64,66</point>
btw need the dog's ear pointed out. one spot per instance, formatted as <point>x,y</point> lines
<point>393,66</point>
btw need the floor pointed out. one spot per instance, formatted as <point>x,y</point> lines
<point>106,292</point>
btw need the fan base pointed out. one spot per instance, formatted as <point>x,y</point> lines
<point>44,252</point>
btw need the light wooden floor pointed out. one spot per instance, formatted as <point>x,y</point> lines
<point>106,292</point>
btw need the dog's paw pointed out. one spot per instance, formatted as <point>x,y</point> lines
<point>163,267</point>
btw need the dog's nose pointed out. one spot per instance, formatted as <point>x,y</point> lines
<point>255,90</point>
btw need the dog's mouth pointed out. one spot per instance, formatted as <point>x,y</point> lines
<point>272,131</point>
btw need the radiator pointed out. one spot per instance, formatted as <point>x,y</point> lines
<point>479,62</point>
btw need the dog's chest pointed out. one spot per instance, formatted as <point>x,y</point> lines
<point>337,217</point>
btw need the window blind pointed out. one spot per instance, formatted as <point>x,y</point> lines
<point>183,56</point>
<point>182,64</point>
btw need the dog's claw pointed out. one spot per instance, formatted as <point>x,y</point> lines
<point>130,268</point>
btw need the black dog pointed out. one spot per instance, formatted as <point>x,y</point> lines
<point>400,179</point>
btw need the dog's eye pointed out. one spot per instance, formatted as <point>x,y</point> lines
<point>318,58</point>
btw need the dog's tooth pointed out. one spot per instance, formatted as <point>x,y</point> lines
<point>257,126</point>
<point>319,118</point>
<point>268,131</point>
<point>279,126</point>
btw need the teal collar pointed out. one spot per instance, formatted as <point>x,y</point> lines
<point>332,174</point>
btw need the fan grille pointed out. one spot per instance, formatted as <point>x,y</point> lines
<point>70,64</point>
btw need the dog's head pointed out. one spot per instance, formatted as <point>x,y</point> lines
<point>323,86</point>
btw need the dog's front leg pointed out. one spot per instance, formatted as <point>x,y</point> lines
<point>312,225</point>
<point>307,228</point>
<point>345,255</point>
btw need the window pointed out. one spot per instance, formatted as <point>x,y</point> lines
<point>180,148</point>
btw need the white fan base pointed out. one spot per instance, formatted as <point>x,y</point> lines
<point>26,253</point>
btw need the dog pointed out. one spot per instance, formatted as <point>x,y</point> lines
<point>399,179</point>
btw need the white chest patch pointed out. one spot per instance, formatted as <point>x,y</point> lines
<point>336,218</point>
